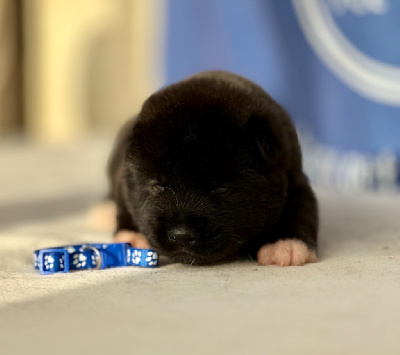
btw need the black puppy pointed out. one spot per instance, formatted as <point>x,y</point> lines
<point>211,169</point>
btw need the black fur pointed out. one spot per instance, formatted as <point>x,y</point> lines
<point>215,156</point>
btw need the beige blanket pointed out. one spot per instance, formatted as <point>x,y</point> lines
<point>348,303</point>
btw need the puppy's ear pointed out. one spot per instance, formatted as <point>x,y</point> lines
<point>268,139</point>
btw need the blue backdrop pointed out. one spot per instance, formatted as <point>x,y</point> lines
<point>333,64</point>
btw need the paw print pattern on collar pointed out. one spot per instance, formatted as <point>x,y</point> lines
<point>92,256</point>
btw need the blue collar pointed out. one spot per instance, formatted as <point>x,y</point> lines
<point>92,256</point>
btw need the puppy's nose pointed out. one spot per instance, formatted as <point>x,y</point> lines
<point>181,235</point>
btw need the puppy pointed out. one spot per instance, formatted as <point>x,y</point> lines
<point>210,170</point>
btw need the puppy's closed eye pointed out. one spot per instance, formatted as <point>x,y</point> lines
<point>154,188</point>
<point>220,191</point>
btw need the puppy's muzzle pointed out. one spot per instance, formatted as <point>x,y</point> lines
<point>181,235</point>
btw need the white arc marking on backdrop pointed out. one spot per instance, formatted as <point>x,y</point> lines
<point>373,79</point>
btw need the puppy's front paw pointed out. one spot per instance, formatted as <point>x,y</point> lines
<point>102,217</point>
<point>285,253</point>
<point>137,240</point>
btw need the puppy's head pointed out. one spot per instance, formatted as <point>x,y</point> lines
<point>205,172</point>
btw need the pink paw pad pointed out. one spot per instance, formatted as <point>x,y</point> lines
<point>285,253</point>
<point>137,240</point>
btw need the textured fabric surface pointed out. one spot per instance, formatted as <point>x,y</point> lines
<point>348,302</point>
